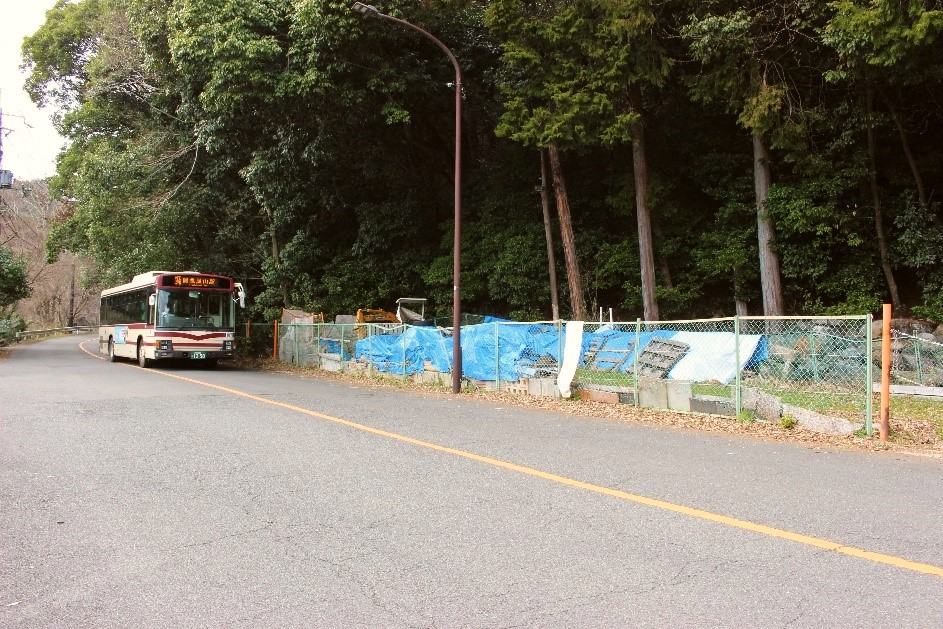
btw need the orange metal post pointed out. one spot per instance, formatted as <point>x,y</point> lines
<point>885,372</point>
<point>248,329</point>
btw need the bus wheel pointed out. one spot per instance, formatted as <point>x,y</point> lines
<point>143,360</point>
<point>111,350</point>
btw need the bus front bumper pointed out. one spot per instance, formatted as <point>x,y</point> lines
<point>195,354</point>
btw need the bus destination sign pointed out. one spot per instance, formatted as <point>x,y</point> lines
<point>195,281</point>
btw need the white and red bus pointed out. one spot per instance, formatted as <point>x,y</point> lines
<point>162,314</point>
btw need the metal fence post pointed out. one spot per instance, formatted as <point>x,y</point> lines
<point>869,375</point>
<point>813,352</point>
<point>635,357</point>
<point>402,339</point>
<point>560,328</point>
<point>497,360</point>
<point>370,333</point>
<point>736,365</point>
<point>340,355</point>
<point>275,341</point>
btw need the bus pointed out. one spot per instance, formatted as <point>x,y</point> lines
<point>165,315</point>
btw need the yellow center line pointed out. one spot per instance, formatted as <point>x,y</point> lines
<point>762,529</point>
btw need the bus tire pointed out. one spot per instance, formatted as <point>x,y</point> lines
<point>143,360</point>
<point>111,350</point>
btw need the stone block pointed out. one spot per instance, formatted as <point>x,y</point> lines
<point>766,406</point>
<point>820,423</point>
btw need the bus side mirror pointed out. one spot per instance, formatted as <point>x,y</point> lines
<point>241,292</point>
<point>151,300</point>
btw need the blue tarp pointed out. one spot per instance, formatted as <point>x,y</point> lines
<point>520,347</point>
<point>389,352</point>
<point>524,348</point>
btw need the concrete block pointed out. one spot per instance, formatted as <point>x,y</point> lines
<point>543,387</point>
<point>330,362</point>
<point>653,393</point>
<point>597,395</point>
<point>429,377</point>
<point>679,395</point>
<point>510,386</point>
<point>713,405</point>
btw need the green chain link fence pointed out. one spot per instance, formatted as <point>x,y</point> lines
<point>770,367</point>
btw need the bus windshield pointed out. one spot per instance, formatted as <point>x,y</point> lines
<point>194,309</point>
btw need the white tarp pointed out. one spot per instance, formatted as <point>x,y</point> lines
<point>711,356</point>
<point>572,350</point>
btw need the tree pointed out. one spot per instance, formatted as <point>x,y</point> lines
<point>752,57</point>
<point>882,45</point>
<point>572,76</point>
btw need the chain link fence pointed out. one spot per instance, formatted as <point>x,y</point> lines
<point>916,360</point>
<point>767,367</point>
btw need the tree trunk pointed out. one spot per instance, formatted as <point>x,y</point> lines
<point>739,304</point>
<point>276,256</point>
<point>876,200</point>
<point>548,233</point>
<point>643,212</point>
<point>905,144</point>
<point>574,280</point>
<point>770,278</point>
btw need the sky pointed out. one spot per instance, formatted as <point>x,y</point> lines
<point>30,142</point>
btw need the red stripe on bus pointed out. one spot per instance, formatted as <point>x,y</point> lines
<point>192,337</point>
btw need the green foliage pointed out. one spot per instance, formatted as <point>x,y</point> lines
<point>566,67</point>
<point>885,33</point>
<point>919,234</point>
<point>56,55</point>
<point>14,280</point>
<point>10,324</point>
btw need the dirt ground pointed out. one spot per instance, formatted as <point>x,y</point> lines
<point>908,435</point>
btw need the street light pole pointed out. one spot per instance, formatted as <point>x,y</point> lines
<point>371,11</point>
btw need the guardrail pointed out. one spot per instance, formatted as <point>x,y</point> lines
<point>76,329</point>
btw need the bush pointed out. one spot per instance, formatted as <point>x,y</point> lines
<point>9,325</point>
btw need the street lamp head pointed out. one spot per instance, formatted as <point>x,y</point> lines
<point>367,9</point>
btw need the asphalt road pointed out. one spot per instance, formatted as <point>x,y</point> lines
<point>174,497</point>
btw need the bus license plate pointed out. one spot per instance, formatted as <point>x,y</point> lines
<point>199,355</point>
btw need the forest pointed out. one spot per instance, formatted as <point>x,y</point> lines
<point>666,159</point>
